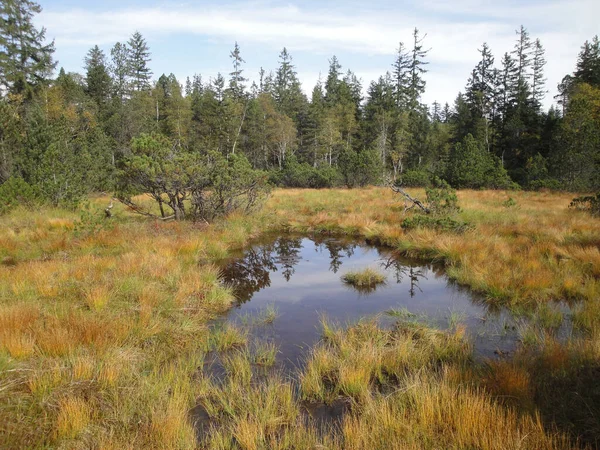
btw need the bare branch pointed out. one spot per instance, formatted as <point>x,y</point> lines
<point>407,196</point>
<point>138,209</point>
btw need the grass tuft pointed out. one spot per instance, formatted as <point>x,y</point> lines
<point>364,279</point>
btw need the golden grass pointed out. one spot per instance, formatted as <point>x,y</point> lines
<point>102,334</point>
<point>365,278</point>
<point>432,413</point>
<point>74,415</point>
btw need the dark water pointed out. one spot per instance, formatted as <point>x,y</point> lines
<point>301,279</point>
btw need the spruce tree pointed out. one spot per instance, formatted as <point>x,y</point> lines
<point>286,87</point>
<point>236,80</point>
<point>588,63</point>
<point>401,66</point>
<point>97,79</point>
<point>445,116</point>
<point>139,57</point>
<point>538,90</point>
<point>333,81</point>
<point>119,69</point>
<point>416,83</point>
<point>480,94</point>
<point>435,111</point>
<point>25,60</point>
<point>519,77</point>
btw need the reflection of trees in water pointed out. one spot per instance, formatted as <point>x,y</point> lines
<point>403,270</point>
<point>337,250</point>
<point>288,255</point>
<point>251,273</point>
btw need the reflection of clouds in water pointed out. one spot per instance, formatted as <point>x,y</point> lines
<point>303,278</point>
<point>274,265</point>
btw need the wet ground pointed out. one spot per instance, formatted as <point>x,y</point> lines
<point>285,286</point>
<point>300,279</point>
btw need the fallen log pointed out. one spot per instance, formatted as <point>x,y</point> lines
<point>414,201</point>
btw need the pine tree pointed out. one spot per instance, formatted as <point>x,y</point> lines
<point>138,59</point>
<point>564,88</point>
<point>97,79</point>
<point>520,75</point>
<point>25,61</point>
<point>401,66</point>
<point>588,63</point>
<point>416,84</point>
<point>286,87</point>
<point>435,111</point>
<point>236,82</point>
<point>445,116</point>
<point>332,83</point>
<point>119,69</point>
<point>538,90</point>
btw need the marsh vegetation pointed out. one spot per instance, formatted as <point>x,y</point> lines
<point>365,279</point>
<point>105,333</point>
<point>156,285</point>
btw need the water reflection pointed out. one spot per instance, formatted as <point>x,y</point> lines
<point>252,272</point>
<point>301,278</point>
<point>403,269</point>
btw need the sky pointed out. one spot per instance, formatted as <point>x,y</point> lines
<point>197,36</point>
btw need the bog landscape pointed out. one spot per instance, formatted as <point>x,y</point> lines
<point>234,264</point>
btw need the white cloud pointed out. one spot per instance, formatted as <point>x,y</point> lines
<point>454,32</point>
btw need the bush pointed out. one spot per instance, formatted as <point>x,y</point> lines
<point>509,203</point>
<point>360,168</point>
<point>326,177</point>
<point>548,183</point>
<point>193,186</point>
<point>231,185</point>
<point>299,175</point>
<point>442,203</point>
<point>16,191</point>
<point>441,198</point>
<point>589,203</point>
<point>416,178</point>
<point>438,223</point>
<point>472,166</point>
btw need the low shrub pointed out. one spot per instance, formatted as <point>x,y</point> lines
<point>416,178</point>
<point>548,183</point>
<point>441,198</point>
<point>16,191</point>
<point>437,223</point>
<point>303,175</point>
<point>589,203</point>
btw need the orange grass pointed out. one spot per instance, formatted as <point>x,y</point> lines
<point>89,320</point>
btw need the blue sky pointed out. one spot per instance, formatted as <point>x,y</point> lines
<point>197,36</point>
